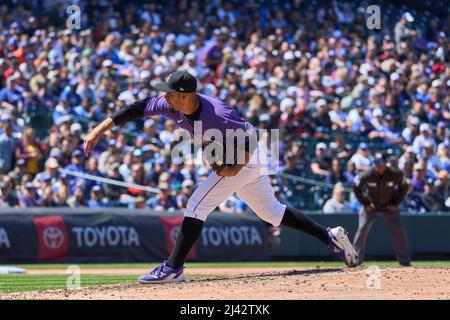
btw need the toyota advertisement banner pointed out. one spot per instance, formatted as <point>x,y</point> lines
<point>86,235</point>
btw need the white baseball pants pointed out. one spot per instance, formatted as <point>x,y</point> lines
<point>250,184</point>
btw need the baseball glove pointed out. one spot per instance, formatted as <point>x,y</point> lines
<point>217,166</point>
<point>216,160</point>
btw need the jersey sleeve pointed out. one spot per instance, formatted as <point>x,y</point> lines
<point>235,122</point>
<point>157,106</point>
<point>140,109</point>
<point>250,132</point>
<point>130,112</point>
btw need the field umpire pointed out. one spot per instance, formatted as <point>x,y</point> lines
<point>380,190</point>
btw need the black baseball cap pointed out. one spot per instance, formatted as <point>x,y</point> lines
<point>179,81</point>
<point>379,159</point>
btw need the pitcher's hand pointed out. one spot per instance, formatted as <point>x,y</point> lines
<point>90,141</point>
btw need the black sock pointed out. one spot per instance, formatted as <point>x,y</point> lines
<point>189,233</point>
<point>297,220</point>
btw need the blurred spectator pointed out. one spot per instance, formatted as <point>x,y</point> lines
<point>338,117</point>
<point>166,136</point>
<point>403,34</point>
<point>214,53</point>
<point>113,192</point>
<point>139,177</point>
<point>291,168</point>
<point>350,173</point>
<point>231,205</point>
<point>76,166</point>
<point>7,197</point>
<point>202,174</point>
<point>443,157</point>
<point>92,169</point>
<point>321,115</point>
<point>418,179</point>
<point>77,199</point>
<point>442,186</point>
<point>407,158</point>
<point>97,200</point>
<point>429,198</point>
<point>30,151</point>
<point>111,151</point>
<point>424,137</point>
<point>321,164</point>
<point>46,188</point>
<point>8,145</point>
<point>336,173</point>
<point>50,173</point>
<point>11,95</point>
<point>387,131</point>
<point>19,170</point>
<point>433,163</point>
<point>31,197</point>
<point>361,158</point>
<point>339,148</point>
<point>163,201</point>
<point>186,191</point>
<point>175,170</point>
<point>358,120</point>
<point>412,130</point>
<point>61,197</point>
<point>337,203</point>
<point>139,203</point>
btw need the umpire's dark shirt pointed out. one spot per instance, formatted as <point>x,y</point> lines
<point>381,190</point>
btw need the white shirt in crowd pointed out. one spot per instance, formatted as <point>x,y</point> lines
<point>361,162</point>
<point>333,206</point>
<point>420,141</point>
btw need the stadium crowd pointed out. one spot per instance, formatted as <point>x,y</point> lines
<point>337,91</point>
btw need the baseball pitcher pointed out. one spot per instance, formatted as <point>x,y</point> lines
<point>185,106</point>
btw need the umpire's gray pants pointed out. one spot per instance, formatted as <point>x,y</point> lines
<point>398,233</point>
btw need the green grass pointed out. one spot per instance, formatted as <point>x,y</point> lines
<point>193,265</point>
<point>27,282</point>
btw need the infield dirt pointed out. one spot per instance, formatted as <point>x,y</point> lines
<point>265,283</point>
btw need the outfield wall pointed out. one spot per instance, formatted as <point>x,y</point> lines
<point>121,235</point>
<point>428,235</point>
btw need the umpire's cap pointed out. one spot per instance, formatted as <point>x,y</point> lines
<point>379,159</point>
<point>179,81</point>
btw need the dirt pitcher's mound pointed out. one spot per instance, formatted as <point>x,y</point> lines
<point>305,283</point>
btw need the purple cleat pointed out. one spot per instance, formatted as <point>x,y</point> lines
<point>163,274</point>
<point>342,248</point>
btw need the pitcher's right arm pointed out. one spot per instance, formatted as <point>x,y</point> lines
<point>139,109</point>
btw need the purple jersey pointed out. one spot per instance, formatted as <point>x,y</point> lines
<point>214,114</point>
